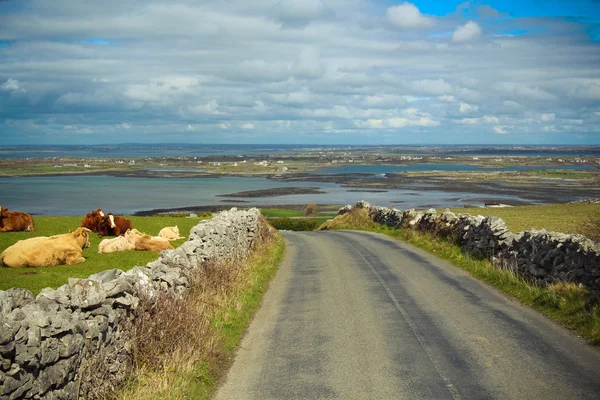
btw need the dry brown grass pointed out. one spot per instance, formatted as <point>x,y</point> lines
<point>357,218</point>
<point>591,227</point>
<point>179,350</point>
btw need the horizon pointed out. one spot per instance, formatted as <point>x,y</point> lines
<point>306,145</point>
<point>296,72</point>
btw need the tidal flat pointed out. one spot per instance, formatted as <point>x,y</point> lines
<point>406,177</point>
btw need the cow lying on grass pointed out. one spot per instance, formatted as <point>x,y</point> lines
<point>170,233</point>
<point>93,220</point>
<point>120,243</point>
<point>13,221</point>
<point>113,225</point>
<point>45,251</point>
<point>134,240</point>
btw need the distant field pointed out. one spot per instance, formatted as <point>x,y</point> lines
<point>280,213</point>
<point>565,218</point>
<point>322,211</point>
<point>36,279</point>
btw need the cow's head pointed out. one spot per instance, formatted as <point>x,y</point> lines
<point>3,212</point>
<point>111,218</point>
<point>83,236</point>
<point>100,213</point>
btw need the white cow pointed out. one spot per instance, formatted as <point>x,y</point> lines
<point>120,243</point>
<point>170,233</point>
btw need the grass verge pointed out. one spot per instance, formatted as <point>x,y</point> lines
<point>35,279</point>
<point>568,304</point>
<point>185,345</point>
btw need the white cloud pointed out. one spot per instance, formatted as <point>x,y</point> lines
<point>547,117</point>
<point>433,87</point>
<point>408,16</point>
<point>590,91</point>
<point>11,85</point>
<point>298,13</point>
<point>384,101</point>
<point>466,108</point>
<point>447,99</point>
<point>248,126</point>
<point>410,117</point>
<point>501,130</point>
<point>467,32</point>
<point>486,119</point>
<point>520,91</point>
<point>210,108</point>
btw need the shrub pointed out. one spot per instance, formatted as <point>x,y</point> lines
<point>291,224</point>
<point>310,209</point>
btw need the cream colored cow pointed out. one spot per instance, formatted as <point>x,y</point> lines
<point>120,243</point>
<point>45,251</point>
<point>145,242</point>
<point>170,233</point>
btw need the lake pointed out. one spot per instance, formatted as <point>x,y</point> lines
<point>77,195</point>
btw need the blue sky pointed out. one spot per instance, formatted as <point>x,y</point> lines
<point>300,71</point>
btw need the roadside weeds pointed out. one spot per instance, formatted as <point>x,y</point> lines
<point>184,346</point>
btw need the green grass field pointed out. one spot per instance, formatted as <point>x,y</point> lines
<point>565,218</point>
<point>280,213</point>
<point>36,279</point>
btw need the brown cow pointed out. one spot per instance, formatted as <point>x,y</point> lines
<point>44,251</point>
<point>93,220</point>
<point>13,221</point>
<point>113,225</point>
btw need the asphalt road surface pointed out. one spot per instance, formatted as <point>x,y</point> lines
<point>354,315</point>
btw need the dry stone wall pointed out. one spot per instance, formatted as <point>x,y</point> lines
<point>51,345</point>
<point>540,256</point>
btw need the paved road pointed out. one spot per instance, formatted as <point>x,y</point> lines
<point>354,315</point>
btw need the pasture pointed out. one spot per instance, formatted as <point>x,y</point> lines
<point>35,279</point>
<point>565,218</point>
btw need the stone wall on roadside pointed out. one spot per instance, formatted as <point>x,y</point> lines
<point>51,345</point>
<point>540,256</point>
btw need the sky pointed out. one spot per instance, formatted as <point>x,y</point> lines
<point>300,72</point>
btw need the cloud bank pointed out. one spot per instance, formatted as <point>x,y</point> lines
<point>291,71</point>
